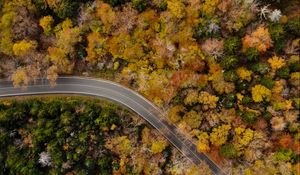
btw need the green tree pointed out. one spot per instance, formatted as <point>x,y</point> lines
<point>140,5</point>
<point>228,151</point>
<point>105,164</point>
<point>66,8</point>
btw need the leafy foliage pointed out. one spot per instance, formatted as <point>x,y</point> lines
<point>208,64</point>
<point>228,151</point>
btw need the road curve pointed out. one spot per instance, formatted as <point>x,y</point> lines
<point>115,92</point>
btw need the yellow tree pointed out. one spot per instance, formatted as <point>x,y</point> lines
<point>59,57</point>
<point>207,99</point>
<point>46,23</point>
<point>120,145</point>
<point>24,47</point>
<point>97,47</point>
<point>174,113</point>
<point>118,43</point>
<point>67,38</point>
<point>20,77</point>
<point>203,142</point>
<point>219,135</point>
<point>191,97</point>
<point>177,8</point>
<point>209,7</point>
<point>107,15</point>
<point>6,23</point>
<point>52,75</point>
<point>192,119</point>
<point>158,146</point>
<point>146,136</point>
<point>52,3</point>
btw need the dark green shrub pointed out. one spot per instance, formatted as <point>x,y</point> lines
<point>40,4</point>
<point>4,138</point>
<point>51,133</point>
<point>140,5</point>
<point>4,117</point>
<point>241,85</point>
<point>260,67</point>
<point>267,82</point>
<point>228,151</point>
<point>106,118</point>
<point>267,116</point>
<point>230,76</point>
<point>228,104</point>
<point>232,45</point>
<point>229,62</point>
<point>293,26</point>
<point>105,164</point>
<point>296,103</point>
<point>229,100</point>
<point>246,100</point>
<point>67,9</point>
<point>252,54</point>
<point>231,97</point>
<point>295,67</point>
<point>276,31</point>
<point>200,30</point>
<point>89,163</point>
<point>249,117</point>
<point>66,118</point>
<point>283,72</point>
<point>278,36</point>
<point>296,158</point>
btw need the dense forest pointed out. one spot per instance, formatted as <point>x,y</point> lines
<point>226,72</point>
<point>75,135</point>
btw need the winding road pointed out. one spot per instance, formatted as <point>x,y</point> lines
<point>115,92</point>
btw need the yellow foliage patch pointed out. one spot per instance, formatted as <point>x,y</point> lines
<point>260,92</point>
<point>46,23</point>
<point>158,146</point>
<point>244,74</point>
<point>259,39</point>
<point>276,62</point>
<point>23,47</point>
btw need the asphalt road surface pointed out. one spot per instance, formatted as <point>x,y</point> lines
<point>115,92</point>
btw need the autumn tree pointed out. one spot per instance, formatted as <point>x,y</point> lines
<point>20,77</point>
<point>158,146</point>
<point>23,47</point>
<point>121,145</point>
<point>59,57</point>
<point>174,114</point>
<point>52,75</point>
<point>46,23</point>
<point>219,135</point>
<point>67,36</point>
<point>177,8</point>
<point>97,47</point>
<point>6,23</point>
<point>193,119</point>
<point>106,15</point>
<point>259,39</point>
<point>25,25</point>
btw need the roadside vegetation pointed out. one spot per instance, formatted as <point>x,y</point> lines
<point>226,72</point>
<point>75,135</point>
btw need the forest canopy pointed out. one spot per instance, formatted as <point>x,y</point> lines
<point>225,72</point>
<point>78,135</point>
